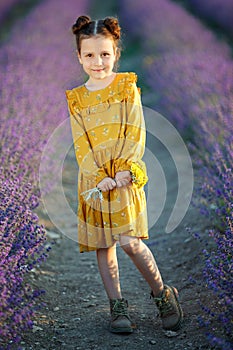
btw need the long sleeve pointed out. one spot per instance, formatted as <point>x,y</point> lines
<point>133,144</point>
<point>83,152</point>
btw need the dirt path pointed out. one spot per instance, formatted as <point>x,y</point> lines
<point>76,313</point>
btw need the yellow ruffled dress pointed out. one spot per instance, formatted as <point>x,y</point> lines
<point>109,135</point>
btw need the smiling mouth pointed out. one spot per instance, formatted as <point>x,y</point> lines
<point>97,70</point>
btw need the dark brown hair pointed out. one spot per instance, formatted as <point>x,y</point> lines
<point>85,28</point>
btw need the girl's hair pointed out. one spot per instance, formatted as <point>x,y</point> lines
<point>85,28</point>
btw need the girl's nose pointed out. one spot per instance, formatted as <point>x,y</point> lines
<point>98,60</point>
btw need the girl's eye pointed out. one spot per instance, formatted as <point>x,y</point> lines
<point>89,55</point>
<point>105,54</point>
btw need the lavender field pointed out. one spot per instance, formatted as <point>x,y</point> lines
<point>188,71</point>
<point>5,7</point>
<point>216,12</point>
<point>35,70</point>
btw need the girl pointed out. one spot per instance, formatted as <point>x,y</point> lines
<point>109,139</point>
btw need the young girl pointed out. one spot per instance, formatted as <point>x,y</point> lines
<point>109,139</point>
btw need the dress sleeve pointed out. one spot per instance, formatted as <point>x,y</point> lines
<point>82,147</point>
<point>133,145</point>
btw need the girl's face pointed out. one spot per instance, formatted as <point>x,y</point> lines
<point>97,57</point>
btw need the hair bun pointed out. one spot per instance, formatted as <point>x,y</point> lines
<point>112,25</point>
<point>81,22</point>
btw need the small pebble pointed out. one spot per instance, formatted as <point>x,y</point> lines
<point>76,319</point>
<point>171,334</point>
<point>53,235</point>
<point>36,328</point>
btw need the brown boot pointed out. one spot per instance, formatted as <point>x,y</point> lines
<point>169,308</point>
<point>120,320</point>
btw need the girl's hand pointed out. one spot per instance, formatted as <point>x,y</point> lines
<point>123,178</point>
<point>106,184</point>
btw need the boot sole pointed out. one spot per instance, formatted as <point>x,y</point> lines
<point>179,323</point>
<point>121,330</point>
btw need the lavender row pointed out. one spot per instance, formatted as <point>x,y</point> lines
<point>168,28</point>
<point>216,11</point>
<point>5,6</point>
<point>190,72</point>
<point>35,69</point>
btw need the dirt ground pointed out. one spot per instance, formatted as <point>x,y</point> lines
<point>76,311</point>
<point>75,314</point>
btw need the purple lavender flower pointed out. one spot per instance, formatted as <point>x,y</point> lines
<point>35,69</point>
<point>190,73</point>
<point>5,7</point>
<point>217,11</point>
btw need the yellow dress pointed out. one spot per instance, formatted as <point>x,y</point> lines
<point>109,134</point>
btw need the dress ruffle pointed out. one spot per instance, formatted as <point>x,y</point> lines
<point>120,88</point>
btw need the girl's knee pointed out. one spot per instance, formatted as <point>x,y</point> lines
<point>105,251</point>
<point>130,245</point>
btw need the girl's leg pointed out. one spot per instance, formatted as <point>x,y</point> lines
<point>108,267</point>
<point>165,297</point>
<point>144,260</point>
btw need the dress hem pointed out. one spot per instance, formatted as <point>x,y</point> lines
<point>86,249</point>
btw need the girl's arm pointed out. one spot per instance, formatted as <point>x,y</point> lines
<point>133,146</point>
<point>82,147</point>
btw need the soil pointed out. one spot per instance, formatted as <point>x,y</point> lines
<point>75,310</point>
<point>76,315</point>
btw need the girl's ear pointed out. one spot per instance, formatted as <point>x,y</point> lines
<point>79,57</point>
<point>117,54</point>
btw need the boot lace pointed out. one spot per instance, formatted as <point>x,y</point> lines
<point>163,305</point>
<point>120,308</point>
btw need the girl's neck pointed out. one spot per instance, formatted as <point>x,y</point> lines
<point>99,84</point>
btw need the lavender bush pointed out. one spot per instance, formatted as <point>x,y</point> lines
<point>216,11</point>
<point>35,69</point>
<point>168,28</point>
<point>201,86</point>
<point>5,6</point>
<point>22,247</point>
<point>190,73</point>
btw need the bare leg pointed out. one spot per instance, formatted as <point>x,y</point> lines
<point>144,260</point>
<point>108,267</point>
